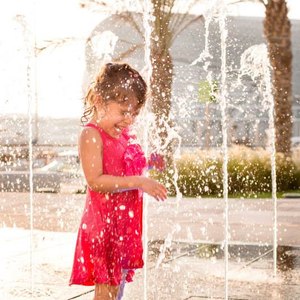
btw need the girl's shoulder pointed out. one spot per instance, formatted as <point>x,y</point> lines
<point>90,134</point>
<point>92,126</point>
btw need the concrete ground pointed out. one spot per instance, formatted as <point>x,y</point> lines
<point>185,257</point>
<point>190,219</point>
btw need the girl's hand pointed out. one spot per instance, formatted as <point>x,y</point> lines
<point>154,188</point>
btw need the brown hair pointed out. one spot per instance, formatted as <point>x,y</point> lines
<point>115,82</point>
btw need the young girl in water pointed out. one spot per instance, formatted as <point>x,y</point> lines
<point>109,242</point>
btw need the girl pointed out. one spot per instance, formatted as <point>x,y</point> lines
<point>109,242</point>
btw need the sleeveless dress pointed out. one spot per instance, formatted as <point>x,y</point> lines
<point>110,234</point>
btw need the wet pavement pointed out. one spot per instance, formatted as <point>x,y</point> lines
<point>185,257</point>
<point>189,219</point>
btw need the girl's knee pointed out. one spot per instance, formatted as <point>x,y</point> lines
<point>105,292</point>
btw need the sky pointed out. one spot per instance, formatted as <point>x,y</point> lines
<point>56,76</point>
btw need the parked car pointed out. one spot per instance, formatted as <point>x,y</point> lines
<point>49,178</point>
<point>66,164</point>
<point>19,181</point>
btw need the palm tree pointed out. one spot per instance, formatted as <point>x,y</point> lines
<point>277,29</point>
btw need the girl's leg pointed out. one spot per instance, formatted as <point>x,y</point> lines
<point>105,292</point>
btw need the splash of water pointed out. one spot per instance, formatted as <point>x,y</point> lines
<point>208,17</point>
<point>167,244</point>
<point>147,21</point>
<point>217,9</point>
<point>256,64</point>
<point>223,105</point>
<point>151,137</point>
<point>105,44</point>
<point>30,43</point>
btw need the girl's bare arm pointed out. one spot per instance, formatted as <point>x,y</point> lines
<point>90,147</point>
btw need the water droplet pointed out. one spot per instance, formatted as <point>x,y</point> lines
<point>131,214</point>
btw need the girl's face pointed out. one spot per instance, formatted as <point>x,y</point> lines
<point>114,117</point>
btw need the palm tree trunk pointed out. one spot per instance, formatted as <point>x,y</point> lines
<point>161,84</point>
<point>277,30</point>
<point>162,72</point>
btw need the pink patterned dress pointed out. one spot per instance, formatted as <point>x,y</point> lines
<point>110,234</point>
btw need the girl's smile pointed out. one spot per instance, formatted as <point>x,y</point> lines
<point>117,116</point>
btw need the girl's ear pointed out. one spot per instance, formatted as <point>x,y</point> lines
<point>101,107</point>
<point>98,102</point>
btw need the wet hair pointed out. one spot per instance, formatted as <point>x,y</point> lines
<point>115,82</point>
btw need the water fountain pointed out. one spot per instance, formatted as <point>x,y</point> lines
<point>255,62</point>
<point>193,252</point>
